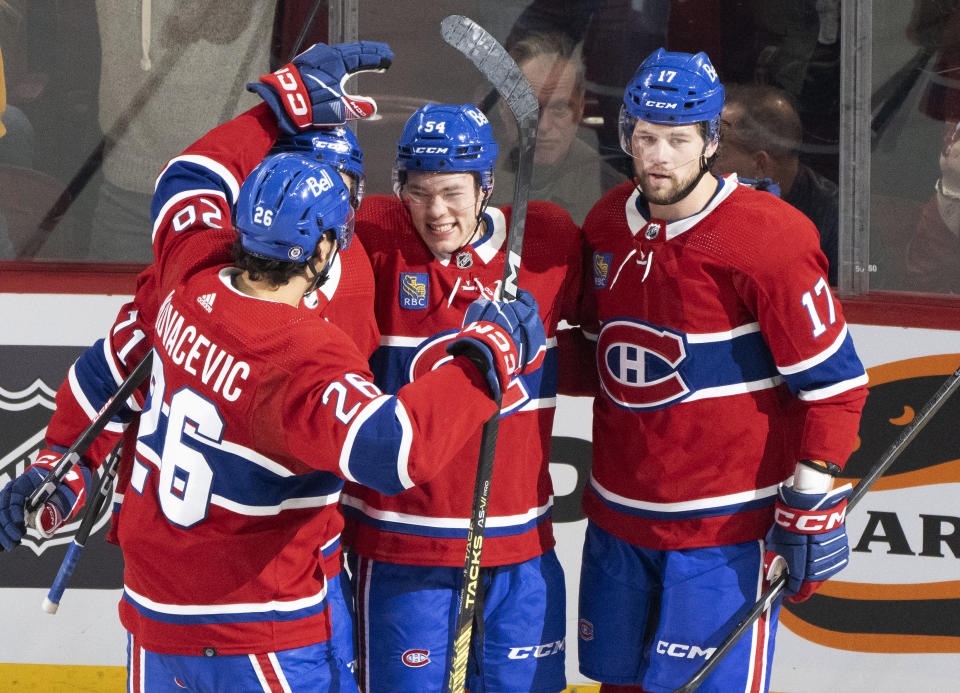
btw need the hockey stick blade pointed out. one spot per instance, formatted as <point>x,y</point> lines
<point>40,494</point>
<point>773,592</point>
<point>502,72</point>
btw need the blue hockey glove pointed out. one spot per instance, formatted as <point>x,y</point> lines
<point>809,535</point>
<point>57,510</point>
<point>503,338</point>
<point>308,92</point>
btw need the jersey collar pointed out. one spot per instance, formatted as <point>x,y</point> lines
<point>487,247</point>
<point>638,214</point>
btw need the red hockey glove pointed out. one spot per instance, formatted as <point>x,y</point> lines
<point>309,92</point>
<point>59,508</point>
<point>503,338</point>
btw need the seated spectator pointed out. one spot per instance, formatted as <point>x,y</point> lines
<point>761,139</point>
<point>933,253</point>
<point>566,169</point>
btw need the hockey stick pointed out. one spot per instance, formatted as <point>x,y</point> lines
<point>776,587</point>
<point>503,73</point>
<point>90,513</point>
<point>43,492</point>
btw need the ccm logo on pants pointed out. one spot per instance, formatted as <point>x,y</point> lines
<point>537,651</point>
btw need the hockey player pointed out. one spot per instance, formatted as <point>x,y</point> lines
<point>436,246</point>
<point>729,397</point>
<point>254,417</point>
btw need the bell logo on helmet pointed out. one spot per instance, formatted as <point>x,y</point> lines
<point>476,116</point>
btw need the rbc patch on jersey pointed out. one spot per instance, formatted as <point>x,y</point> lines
<point>601,269</point>
<point>413,290</point>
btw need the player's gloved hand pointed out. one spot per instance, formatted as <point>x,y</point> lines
<point>57,510</point>
<point>809,535</point>
<point>503,338</point>
<point>309,92</point>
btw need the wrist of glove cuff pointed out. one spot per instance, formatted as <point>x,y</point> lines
<point>489,346</point>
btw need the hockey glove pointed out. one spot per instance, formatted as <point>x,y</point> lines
<point>810,536</point>
<point>503,338</point>
<point>59,508</point>
<point>308,92</point>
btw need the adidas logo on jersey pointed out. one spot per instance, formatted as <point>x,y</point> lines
<point>207,301</point>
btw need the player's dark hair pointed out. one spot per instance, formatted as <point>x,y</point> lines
<point>259,268</point>
<point>477,179</point>
<point>703,127</point>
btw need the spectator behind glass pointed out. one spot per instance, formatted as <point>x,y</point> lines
<point>933,253</point>
<point>171,70</point>
<point>567,170</point>
<point>16,132</point>
<point>761,139</point>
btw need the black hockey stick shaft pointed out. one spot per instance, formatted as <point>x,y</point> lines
<point>906,436</point>
<point>91,512</point>
<point>75,452</point>
<point>503,73</point>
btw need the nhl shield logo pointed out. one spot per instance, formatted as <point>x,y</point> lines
<point>464,260</point>
<point>24,415</point>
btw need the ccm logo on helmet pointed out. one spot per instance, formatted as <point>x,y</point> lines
<point>416,658</point>
<point>431,150</point>
<point>659,104</point>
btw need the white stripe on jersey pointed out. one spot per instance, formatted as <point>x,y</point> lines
<point>685,506</point>
<point>204,609</point>
<point>444,522</point>
<point>818,359</point>
<point>80,396</point>
<point>735,389</point>
<point>834,389</point>
<point>212,165</point>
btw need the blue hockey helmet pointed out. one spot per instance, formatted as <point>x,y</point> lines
<point>336,146</point>
<point>287,203</point>
<point>447,138</point>
<point>672,89</point>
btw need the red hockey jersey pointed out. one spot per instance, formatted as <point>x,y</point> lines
<point>256,413</point>
<point>722,358</point>
<point>420,303</point>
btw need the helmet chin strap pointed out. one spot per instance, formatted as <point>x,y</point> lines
<point>484,203</point>
<point>318,279</point>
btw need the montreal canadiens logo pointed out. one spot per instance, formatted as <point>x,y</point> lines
<point>432,353</point>
<point>416,658</point>
<point>638,364</point>
<point>585,628</point>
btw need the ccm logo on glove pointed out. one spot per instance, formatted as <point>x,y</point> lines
<point>810,521</point>
<point>497,337</point>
